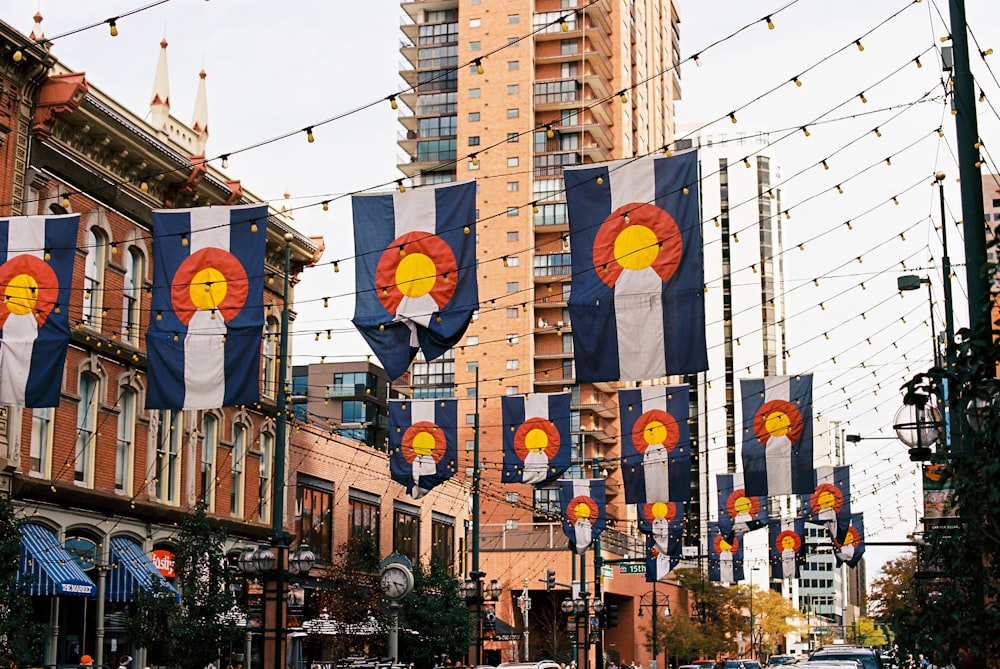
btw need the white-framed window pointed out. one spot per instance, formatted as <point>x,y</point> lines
<point>513,286</point>
<point>513,312</point>
<point>513,364</point>
<point>209,449</point>
<point>513,161</point>
<point>270,357</point>
<point>510,390</point>
<point>513,235</point>
<point>266,458</point>
<point>472,340</point>
<point>513,65</point>
<point>168,457</point>
<point>132,297</point>
<point>475,46</point>
<point>40,450</point>
<point>475,23</point>
<point>513,89</point>
<point>474,92</point>
<point>125,446</point>
<point>513,186</point>
<point>513,113</point>
<point>93,276</point>
<point>86,428</point>
<point>237,459</point>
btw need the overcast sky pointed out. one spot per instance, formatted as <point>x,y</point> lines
<point>279,67</point>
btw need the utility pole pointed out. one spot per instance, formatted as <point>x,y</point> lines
<point>524,601</point>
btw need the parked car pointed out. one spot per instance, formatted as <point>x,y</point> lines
<point>778,660</point>
<point>691,666</point>
<point>704,664</point>
<point>541,664</point>
<point>868,657</point>
<point>742,663</point>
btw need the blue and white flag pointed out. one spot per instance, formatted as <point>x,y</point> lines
<point>777,435</point>
<point>787,541</point>
<point>656,444</point>
<point>423,443</point>
<point>725,555</point>
<point>637,306</point>
<point>658,564</point>
<point>536,437</point>
<point>663,523</point>
<point>830,502</point>
<point>36,270</point>
<point>850,550</point>
<point>207,318</point>
<point>739,513</point>
<point>416,271</point>
<point>582,506</point>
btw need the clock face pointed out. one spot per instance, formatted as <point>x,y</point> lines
<point>396,581</point>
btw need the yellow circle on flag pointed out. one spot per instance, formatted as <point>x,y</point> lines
<point>536,440</point>
<point>742,505</point>
<point>423,443</point>
<point>656,432</point>
<point>636,247</point>
<point>20,294</point>
<point>777,423</point>
<point>415,275</point>
<point>208,288</point>
<point>788,543</point>
<point>825,500</point>
<point>582,511</point>
<point>725,545</point>
<point>659,510</point>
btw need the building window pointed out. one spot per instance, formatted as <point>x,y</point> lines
<point>513,364</point>
<point>168,456</point>
<point>512,211</point>
<point>209,446</point>
<point>511,390</point>
<point>238,460</point>
<point>406,531</point>
<point>473,117</point>
<point>513,161</point>
<point>513,18</point>
<point>512,338</point>
<point>511,41</point>
<point>513,137</point>
<point>513,186</point>
<point>545,504</point>
<point>131,299</point>
<point>474,140</point>
<point>443,541</point>
<point>365,516</point>
<point>474,46</point>
<point>513,286</point>
<point>513,312</point>
<point>41,441</point>
<point>513,65</point>
<point>474,23</point>
<point>314,515</point>
<point>474,92</point>
<point>125,450</point>
<point>470,444</point>
<point>512,89</point>
<point>264,489</point>
<point>86,428</point>
<point>93,277</point>
<point>513,261</point>
<point>513,113</point>
<point>513,236</point>
<point>472,340</point>
<point>270,356</point>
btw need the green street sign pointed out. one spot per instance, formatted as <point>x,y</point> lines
<point>638,568</point>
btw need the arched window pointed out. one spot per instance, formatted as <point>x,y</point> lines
<point>93,276</point>
<point>125,450</point>
<point>209,447</point>
<point>236,489</point>
<point>271,341</point>
<point>266,460</point>
<point>132,297</point>
<point>86,428</point>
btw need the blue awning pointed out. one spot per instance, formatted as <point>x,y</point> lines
<point>47,568</point>
<point>131,570</point>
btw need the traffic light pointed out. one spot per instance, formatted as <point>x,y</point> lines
<point>550,579</point>
<point>611,611</point>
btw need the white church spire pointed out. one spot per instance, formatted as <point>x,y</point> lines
<point>199,123</point>
<point>159,105</point>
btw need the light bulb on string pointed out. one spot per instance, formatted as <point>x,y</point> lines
<point>309,135</point>
<point>113,27</point>
<point>392,102</point>
<point>770,23</point>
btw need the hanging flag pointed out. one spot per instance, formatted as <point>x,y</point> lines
<point>725,555</point>
<point>637,305</point>
<point>207,316</point>
<point>656,444</point>
<point>423,443</point>
<point>830,502</point>
<point>739,512</point>
<point>582,504</point>
<point>777,435</point>
<point>663,522</point>
<point>787,547</point>
<point>36,270</point>
<point>536,437</point>
<point>416,271</point>
<point>659,565</point>
<point>851,549</point>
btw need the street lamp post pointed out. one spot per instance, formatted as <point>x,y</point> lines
<point>578,610</point>
<point>655,613</point>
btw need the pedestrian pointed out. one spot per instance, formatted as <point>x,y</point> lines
<point>86,661</point>
<point>124,662</point>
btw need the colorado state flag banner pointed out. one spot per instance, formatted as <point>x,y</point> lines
<point>423,443</point>
<point>851,549</point>
<point>777,435</point>
<point>584,515</point>
<point>36,270</point>
<point>830,502</point>
<point>656,444</point>
<point>725,556</point>
<point>663,523</point>
<point>416,271</point>
<point>739,513</point>
<point>207,317</point>
<point>637,305</point>
<point>787,541</point>
<point>658,564</point>
<point>536,437</point>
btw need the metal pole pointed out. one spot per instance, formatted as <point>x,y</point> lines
<point>599,644</point>
<point>476,576</point>
<point>751,614</point>
<point>656,648</point>
<point>525,599</point>
<point>278,491</point>
<point>586,611</point>
<point>951,426</point>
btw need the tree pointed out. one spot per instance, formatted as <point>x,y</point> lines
<point>190,633</point>
<point>20,637</point>
<point>773,616</point>
<point>434,620</point>
<point>678,637</point>
<point>717,611</point>
<point>549,637</point>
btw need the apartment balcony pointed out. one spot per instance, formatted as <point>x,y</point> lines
<point>599,434</point>
<point>595,35</point>
<point>416,9</point>
<point>598,134</point>
<point>602,410</point>
<point>411,166</point>
<point>591,61</point>
<point>598,14</point>
<point>409,51</point>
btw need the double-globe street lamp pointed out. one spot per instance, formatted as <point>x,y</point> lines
<point>578,611</point>
<point>657,608</point>
<point>475,594</point>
